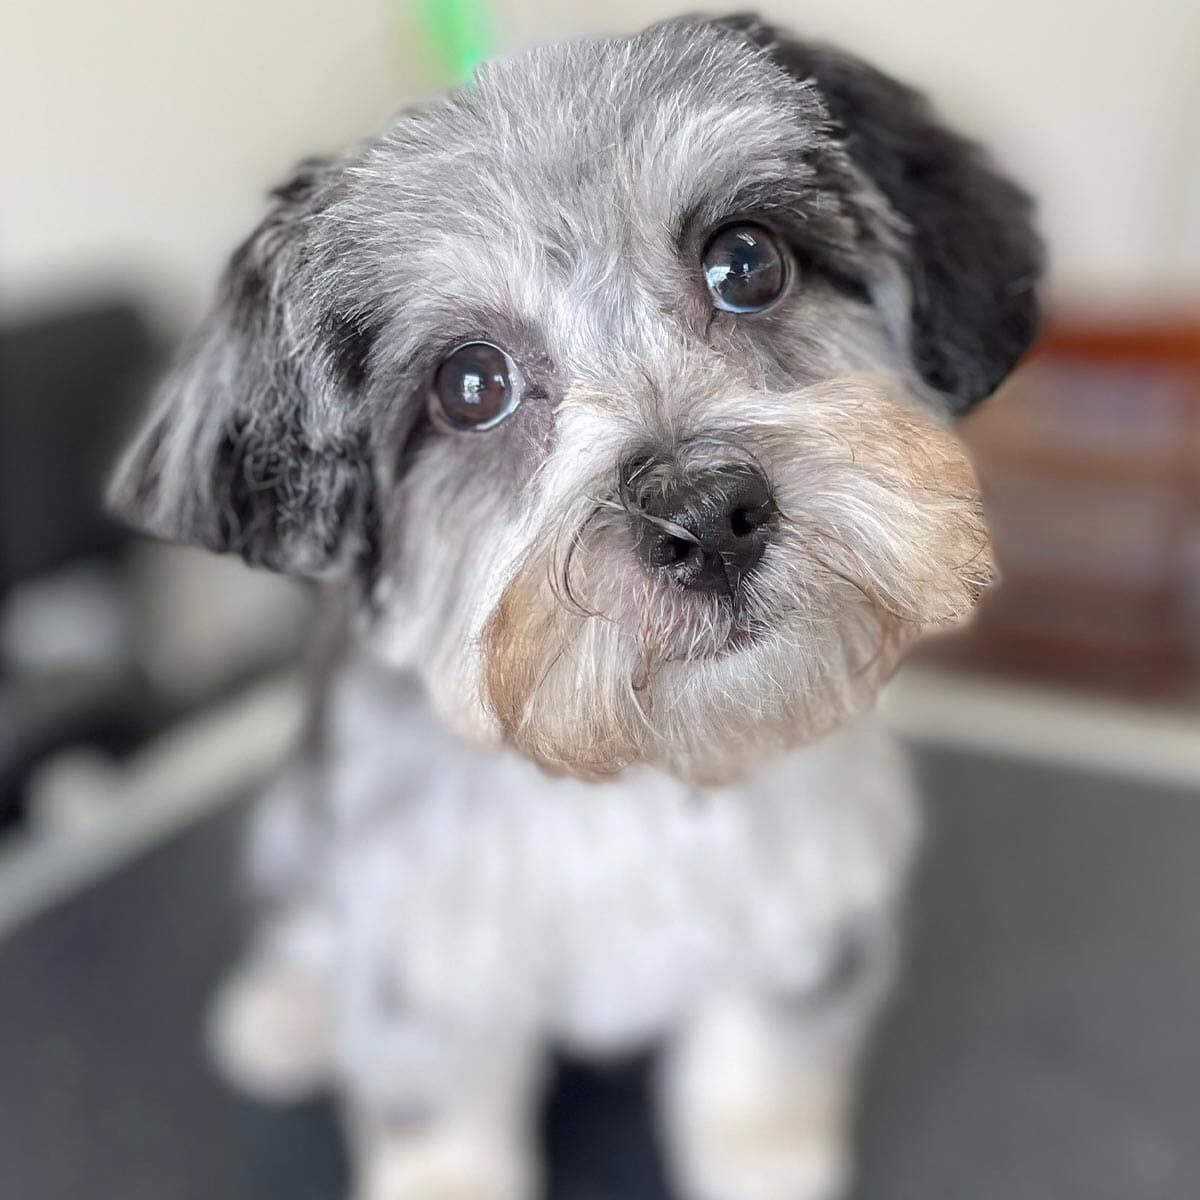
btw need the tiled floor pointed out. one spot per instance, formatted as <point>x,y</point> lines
<point>1044,1045</point>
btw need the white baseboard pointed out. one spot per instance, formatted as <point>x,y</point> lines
<point>187,773</point>
<point>1046,725</point>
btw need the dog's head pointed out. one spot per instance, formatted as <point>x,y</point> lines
<point>619,381</point>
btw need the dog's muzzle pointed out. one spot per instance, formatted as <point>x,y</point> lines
<point>705,532</point>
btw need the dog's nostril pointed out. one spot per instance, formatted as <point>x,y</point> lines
<point>744,521</point>
<point>674,550</point>
<point>665,552</point>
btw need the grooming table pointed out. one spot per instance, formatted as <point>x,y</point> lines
<point>1044,1045</point>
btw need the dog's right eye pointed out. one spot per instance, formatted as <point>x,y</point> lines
<point>476,386</point>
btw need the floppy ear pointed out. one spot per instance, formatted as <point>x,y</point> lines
<point>974,257</point>
<point>255,444</point>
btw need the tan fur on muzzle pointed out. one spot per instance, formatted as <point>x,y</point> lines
<point>882,539</point>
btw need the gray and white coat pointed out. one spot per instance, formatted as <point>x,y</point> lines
<point>554,792</point>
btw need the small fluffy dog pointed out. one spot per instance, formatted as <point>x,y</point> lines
<point>611,393</point>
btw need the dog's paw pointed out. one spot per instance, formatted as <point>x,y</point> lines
<point>752,1116</point>
<point>446,1162</point>
<point>270,1032</point>
<point>765,1155</point>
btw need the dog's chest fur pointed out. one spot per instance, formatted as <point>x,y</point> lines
<point>473,884</point>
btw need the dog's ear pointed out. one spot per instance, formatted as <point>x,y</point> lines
<point>974,257</point>
<point>255,444</point>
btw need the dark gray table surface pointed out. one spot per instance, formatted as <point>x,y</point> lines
<point>1045,1042</point>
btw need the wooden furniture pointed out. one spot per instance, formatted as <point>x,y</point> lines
<point>1090,461</point>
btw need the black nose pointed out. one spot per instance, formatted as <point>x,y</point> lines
<point>706,533</point>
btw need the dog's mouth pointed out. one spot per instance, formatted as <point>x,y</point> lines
<point>716,628</point>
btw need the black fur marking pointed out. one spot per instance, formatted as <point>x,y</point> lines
<point>351,340</point>
<point>974,256</point>
<point>826,265</point>
<point>283,502</point>
<point>272,469</point>
<point>238,502</point>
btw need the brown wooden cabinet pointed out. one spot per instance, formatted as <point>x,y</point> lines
<point>1090,460</point>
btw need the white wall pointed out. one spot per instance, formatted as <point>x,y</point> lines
<point>138,136</point>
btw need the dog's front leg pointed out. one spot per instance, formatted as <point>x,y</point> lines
<point>758,1089</point>
<point>457,1126</point>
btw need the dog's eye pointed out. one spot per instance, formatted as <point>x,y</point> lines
<point>476,386</point>
<point>745,269</point>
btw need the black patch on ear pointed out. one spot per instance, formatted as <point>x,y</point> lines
<point>256,447</point>
<point>974,257</point>
<point>247,483</point>
<point>284,503</point>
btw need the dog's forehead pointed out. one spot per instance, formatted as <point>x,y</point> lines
<point>579,126</point>
<point>559,174</point>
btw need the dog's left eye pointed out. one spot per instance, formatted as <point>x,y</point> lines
<point>745,268</point>
<point>476,386</point>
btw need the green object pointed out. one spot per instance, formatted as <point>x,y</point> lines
<point>458,34</point>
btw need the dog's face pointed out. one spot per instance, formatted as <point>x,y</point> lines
<point>619,382</point>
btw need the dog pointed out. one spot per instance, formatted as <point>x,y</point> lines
<point>610,400</point>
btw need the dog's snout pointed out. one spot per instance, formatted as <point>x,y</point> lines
<point>707,532</point>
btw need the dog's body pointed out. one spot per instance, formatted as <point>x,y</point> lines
<point>596,914</point>
<point>612,394</point>
<point>450,912</point>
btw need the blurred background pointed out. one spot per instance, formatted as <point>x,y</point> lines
<point>1043,1042</point>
